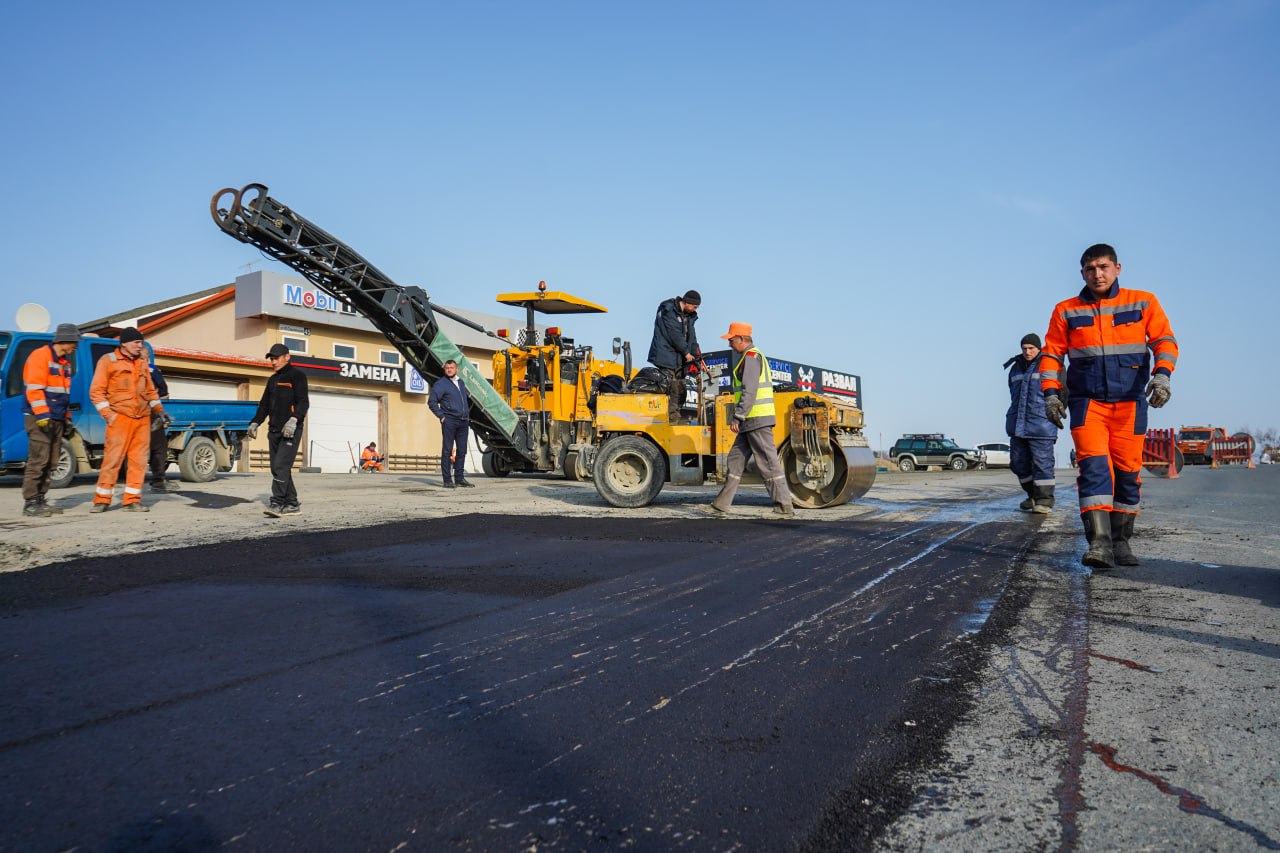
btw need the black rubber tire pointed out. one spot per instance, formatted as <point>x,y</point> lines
<point>958,464</point>
<point>65,471</point>
<point>198,461</point>
<point>494,464</point>
<point>906,464</point>
<point>629,471</point>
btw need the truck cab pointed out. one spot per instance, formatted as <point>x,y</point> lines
<point>1196,443</point>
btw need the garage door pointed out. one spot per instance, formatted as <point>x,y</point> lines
<point>338,427</point>
<point>184,388</point>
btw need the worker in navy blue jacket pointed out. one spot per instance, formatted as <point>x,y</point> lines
<point>1031,434</point>
<point>449,401</point>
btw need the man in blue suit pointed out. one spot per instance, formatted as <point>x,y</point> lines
<point>1031,433</point>
<point>449,402</point>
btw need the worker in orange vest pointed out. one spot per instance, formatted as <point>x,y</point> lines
<point>123,393</point>
<point>369,458</point>
<point>1119,352</point>
<point>46,411</point>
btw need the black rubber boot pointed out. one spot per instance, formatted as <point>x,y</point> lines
<point>1121,532</point>
<point>1030,502</point>
<point>1097,529</point>
<point>1043,497</point>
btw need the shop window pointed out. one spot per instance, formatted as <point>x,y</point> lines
<point>344,352</point>
<point>294,344</point>
<point>389,356</point>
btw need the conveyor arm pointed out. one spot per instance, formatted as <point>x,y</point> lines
<point>404,314</point>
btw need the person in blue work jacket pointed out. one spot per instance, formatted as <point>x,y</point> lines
<point>1031,434</point>
<point>450,402</point>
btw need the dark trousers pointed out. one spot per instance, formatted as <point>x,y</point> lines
<point>1031,460</point>
<point>283,452</point>
<point>678,393</point>
<point>159,460</point>
<point>43,447</point>
<point>454,444</point>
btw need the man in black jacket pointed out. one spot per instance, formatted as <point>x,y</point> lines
<point>450,402</point>
<point>285,403</point>
<point>675,344</point>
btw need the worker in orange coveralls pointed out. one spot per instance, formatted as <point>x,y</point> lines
<point>123,393</point>
<point>369,458</point>
<point>1109,337</point>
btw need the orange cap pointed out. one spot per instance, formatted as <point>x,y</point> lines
<point>736,329</point>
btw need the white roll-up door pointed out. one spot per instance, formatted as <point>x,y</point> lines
<point>338,428</point>
<point>184,388</point>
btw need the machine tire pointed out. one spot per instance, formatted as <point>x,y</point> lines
<point>906,464</point>
<point>569,467</point>
<point>494,464</point>
<point>65,471</point>
<point>198,461</point>
<point>958,464</point>
<point>629,471</point>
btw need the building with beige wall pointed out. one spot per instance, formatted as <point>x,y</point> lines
<point>210,345</point>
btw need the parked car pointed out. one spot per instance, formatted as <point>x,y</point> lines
<point>920,450</point>
<point>996,453</point>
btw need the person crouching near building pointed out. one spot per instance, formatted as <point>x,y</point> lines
<point>284,405</point>
<point>46,411</point>
<point>1031,434</point>
<point>123,393</point>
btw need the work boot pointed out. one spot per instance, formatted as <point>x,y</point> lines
<point>98,508</point>
<point>783,511</point>
<point>1121,531</point>
<point>35,509</point>
<point>56,510</point>
<point>1030,502</point>
<point>1042,497</point>
<point>1097,529</point>
<point>712,510</point>
<point>466,484</point>
<point>290,509</point>
<point>164,486</point>
<point>448,484</point>
<point>137,508</point>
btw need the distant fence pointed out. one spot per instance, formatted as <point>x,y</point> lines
<point>1237,450</point>
<point>260,460</point>
<point>1160,453</point>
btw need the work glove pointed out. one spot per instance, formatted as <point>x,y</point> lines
<point>1055,411</point>
<point>252,431</point>
<point>166,418</point>
<point>1158,391</point>
<point>43,424</point>
<point>290,427</point>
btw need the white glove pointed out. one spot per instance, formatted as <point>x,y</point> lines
<point>252,431</point>
<point>290,427</point>
<point>1158,391</point>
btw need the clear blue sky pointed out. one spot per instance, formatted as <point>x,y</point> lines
<point>899,190</point>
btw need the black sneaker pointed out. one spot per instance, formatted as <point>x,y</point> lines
<point>291,509</point>
<point>466,484</point>
<point>273,511</point>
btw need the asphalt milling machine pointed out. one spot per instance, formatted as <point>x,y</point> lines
<point>555,406</point>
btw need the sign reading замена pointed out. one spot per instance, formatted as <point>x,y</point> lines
<point>804,376</point>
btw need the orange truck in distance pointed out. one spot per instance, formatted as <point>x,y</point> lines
<point>1194,442</point>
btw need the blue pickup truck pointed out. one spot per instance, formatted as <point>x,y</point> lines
<point>204,438</point>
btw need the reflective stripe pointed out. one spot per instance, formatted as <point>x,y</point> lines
<point>1106,309</point>
<point>39,400</point>
<point>33,387</point>
<point>1094,500</point>
<point>1107,349</point>
<point>1118,507</point>
<point>1166,356</point>
<point>1166,339</point>
<point>129,491</point>
<point>1048,374</point>
<point>103,492</point>
<point>1044,482</point>
<point>154,403</point>
<point>103,405</point>
<point>763,406</point>
<point>1018,378</point>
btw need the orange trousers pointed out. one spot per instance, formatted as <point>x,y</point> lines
<point>1109,439</point>
<point>126,438</point>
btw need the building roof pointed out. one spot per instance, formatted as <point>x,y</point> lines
<point>138,316</point>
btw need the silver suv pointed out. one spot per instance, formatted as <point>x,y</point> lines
<point>920,450</point>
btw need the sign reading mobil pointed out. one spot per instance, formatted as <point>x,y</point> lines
<point>806,377</point>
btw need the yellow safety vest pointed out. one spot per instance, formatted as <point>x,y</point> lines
<point>764,394</point>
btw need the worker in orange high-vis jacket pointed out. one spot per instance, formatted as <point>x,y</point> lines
<point>123,393</point>
<point>1119,351</point>
<point>46,412</point>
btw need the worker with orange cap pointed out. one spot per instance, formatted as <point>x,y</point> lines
<point>753,421</point>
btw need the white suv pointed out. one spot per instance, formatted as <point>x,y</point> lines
<point>997,453</point>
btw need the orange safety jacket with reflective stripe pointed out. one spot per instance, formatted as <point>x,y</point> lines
<point>47,377</point>
<point>367,456</point>
<point>1108,345</point>
<point>124,385</point>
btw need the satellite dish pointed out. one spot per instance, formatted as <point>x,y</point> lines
<point>33,317</point>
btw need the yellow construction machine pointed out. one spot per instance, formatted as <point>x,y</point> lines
<point>587,426</point>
